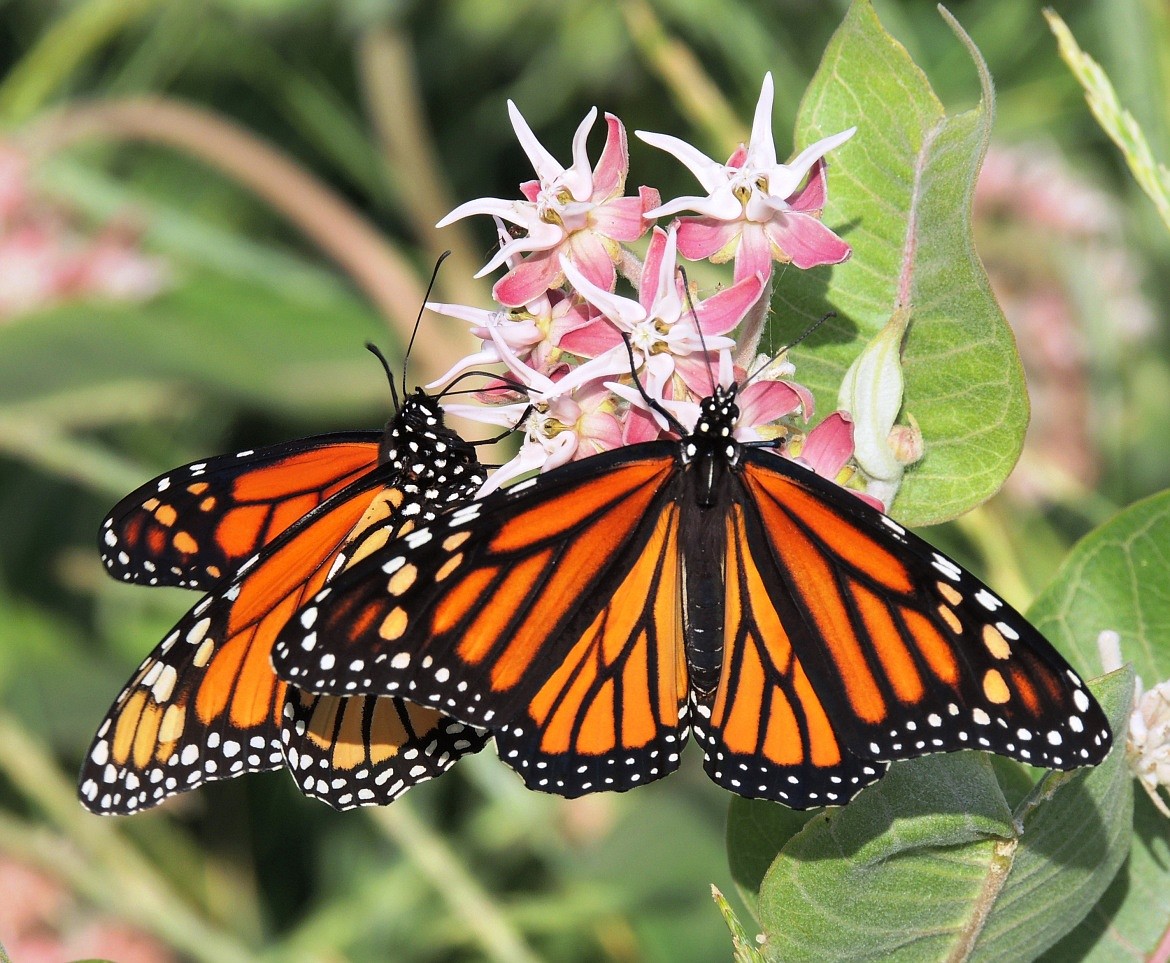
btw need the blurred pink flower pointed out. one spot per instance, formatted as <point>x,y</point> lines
<point>42,922</point>
<point>45,260</point>
<point>755,208</point>
<point>571,213</point>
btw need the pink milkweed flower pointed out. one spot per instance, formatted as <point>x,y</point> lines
<point>562,419</point>
<point>571,213</point>
<point>756,208</point>
<point>827,450</point>
<point>671,335</point>
<point>762,403</point>
<point>533,333</point>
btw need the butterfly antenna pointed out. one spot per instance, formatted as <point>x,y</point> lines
<point>506,382</point>
<point>807,331</point>
<point>418,321</point>
<point>377,353</point>
<point>695,314</point>
<point>507,431</point>
<point>788,347</point>
<point>651,402</point>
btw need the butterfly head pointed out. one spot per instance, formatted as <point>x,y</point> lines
<point>715,427</point>
<point>420,443</point>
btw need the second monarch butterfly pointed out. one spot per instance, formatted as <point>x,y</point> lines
<point>596,615</point>
<point>262,531</point>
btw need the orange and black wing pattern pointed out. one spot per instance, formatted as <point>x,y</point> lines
<point>903,652</point>
<point>765,731</point>
<point>557,613</point>
<point>194,525</point>
<point>205,704</point>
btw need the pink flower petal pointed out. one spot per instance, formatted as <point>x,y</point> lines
<point>805,241</point>
<point>652,268</point>
<point>810,198</point>
<point>700,238</point>
<point>620,219</point>
<point>829,445</point>
<point>592,339</point>
<point>721,312</point>
<point>528,280</point>
<point>754,255</point>
<point>763,402</point>
<point>592,257</point>
<point>609,176</point>
<point>531,190</point>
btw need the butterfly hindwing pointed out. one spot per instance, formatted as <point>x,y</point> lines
<point>368,750</point>
<point>765,731</point>
<point>194,525</point>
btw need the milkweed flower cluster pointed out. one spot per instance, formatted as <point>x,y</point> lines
<point>580,359</point>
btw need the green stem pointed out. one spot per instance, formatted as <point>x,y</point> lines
<point>95,857</point>
<point>390,87</point>
<point>434,858</point>
<point>59,50</point>
<point>42,443</point>
<point>697,95</point>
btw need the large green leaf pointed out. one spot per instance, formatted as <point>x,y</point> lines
<point>931,863</point>
<point>1116,578</point>
<point>900,192</point>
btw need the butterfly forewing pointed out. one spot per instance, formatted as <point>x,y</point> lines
<point>206,705</point>
<point>194,525</point>
<point>512,629</point>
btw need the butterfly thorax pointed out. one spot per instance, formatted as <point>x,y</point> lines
<point>709,453</point>
<point>711,449</point>
<point>418,443</point>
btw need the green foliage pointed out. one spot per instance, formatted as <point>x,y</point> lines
<point>902,189</point>
<point>1115,579</point>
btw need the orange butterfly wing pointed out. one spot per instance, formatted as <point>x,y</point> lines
<point>594,683</point>
<point>196,524</point>
<point>906,652</point>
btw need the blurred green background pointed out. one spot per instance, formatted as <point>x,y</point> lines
<point>170,288</point>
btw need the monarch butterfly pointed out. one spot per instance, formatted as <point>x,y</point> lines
<point>262,530</point>
<point>595,615</point>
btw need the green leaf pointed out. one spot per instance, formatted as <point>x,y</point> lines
<point>900,192</point>
<point>932,864</point>
<point>1115,578</point>
<point>756,831</point>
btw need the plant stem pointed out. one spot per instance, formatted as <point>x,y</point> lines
<point>340,231</point>
<point>434,858</point>
<point>391,92</point>
<point>697,96</point>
